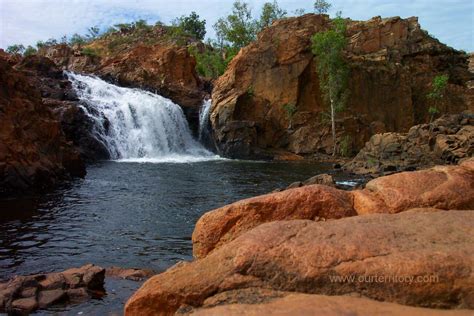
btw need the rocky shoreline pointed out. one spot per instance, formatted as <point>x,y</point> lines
<point>406,239</point>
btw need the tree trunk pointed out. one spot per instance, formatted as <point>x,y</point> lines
<point>333,127</point>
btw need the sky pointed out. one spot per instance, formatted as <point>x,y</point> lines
<point>28,21</point>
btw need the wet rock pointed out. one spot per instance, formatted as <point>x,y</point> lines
<point>317,258</point>
<point>129,274</point>
<point>24,294</point>
<point>315,202</point>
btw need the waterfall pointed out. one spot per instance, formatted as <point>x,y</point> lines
<point>136,125</point>
<point>204,118</point>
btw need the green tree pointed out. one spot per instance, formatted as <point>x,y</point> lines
<point>77,39</point>
<point>30,50</point>
<point>437,94</point>
<point>321,6</point>
<point>332,68</point>
<point>270,12</point>
<point>16,49</point>
<point>93,32</point>
<point>238,28</point>
<point>192,25</point>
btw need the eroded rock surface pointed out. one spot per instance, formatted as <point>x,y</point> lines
<point>313,257</point>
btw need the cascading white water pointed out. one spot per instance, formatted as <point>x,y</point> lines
<point>204,117</point>
<point>137,125</point>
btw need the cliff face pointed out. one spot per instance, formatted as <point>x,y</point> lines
<point>392,63</point>
<point>147,59</point>
<point>34,153</point>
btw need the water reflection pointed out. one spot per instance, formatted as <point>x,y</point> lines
<point>129,214</point>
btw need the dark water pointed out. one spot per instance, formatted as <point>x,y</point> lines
<point>128,215</point>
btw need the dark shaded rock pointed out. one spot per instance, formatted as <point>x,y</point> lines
<point>447,141</point>
<point>24,294</point>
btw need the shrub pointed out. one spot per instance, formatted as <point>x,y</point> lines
<point>89,52</point>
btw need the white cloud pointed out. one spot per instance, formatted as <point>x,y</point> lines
<point>27,21</point>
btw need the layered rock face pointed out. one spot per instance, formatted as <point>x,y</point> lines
<point>392,63</point>
<point>34,153</point>
<point>307,245</point>
<point>447,140</point>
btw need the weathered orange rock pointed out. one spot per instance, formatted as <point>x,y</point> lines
<point>392,63</point>
<point>442,187</point>
<point>412,258</point>
<point>314,202</point>
<point>311,305</point>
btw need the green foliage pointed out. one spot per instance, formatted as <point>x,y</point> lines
<point>333,72</point>
<point>212,62</point>
<point>345,146</point>
<point>30,50</point>
<point>290,110</point>
<point>89,52</point>
<point>238,28</point>
<point>270,12</point>
<point>321,6</point>
<point>332,68</point>
<point>16,49</point>
<point>191,25</point>
<point>250,91</point>
<point>93,32</point>
<point>298,12</point>
<point>77,39</point>
<point>438,87</point>
<point>437,94</point>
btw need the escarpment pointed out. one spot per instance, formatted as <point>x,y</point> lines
<point>392,62</point>
<point>34,153</point>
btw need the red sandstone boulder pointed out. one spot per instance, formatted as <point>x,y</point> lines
<point>378,256</point>
<point>447,188</point>
<point>290,304</point>
<point>314,202</point>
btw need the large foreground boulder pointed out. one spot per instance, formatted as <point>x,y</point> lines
<point>413,258</point>
<point>442,187</point>
<point>392,64</point>
<point>314,202</point>
<point>290,304</point>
